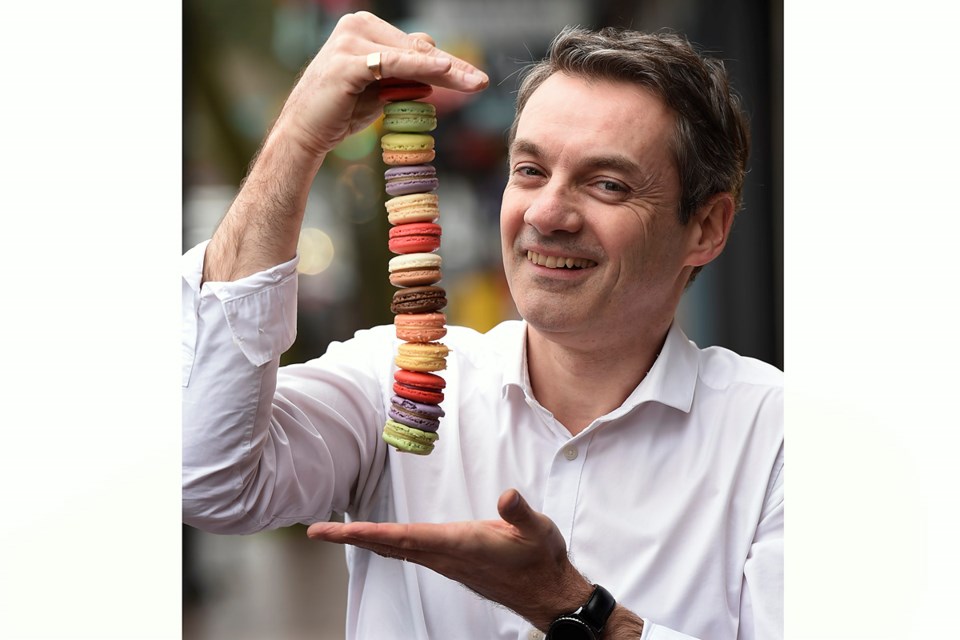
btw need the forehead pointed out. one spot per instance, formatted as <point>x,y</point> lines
<point>578,115</point>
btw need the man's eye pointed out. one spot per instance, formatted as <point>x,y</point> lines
<point>610,185</point>
<point>527,170</point>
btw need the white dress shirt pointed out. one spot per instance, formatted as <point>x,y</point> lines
<point>673,501</point>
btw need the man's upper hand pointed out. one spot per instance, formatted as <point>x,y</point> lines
<point>336,95</point>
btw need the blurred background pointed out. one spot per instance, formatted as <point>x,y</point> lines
<point>240,60</point>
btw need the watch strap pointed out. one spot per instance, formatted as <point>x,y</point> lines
<point>598,608</point>
<point>586,622</point>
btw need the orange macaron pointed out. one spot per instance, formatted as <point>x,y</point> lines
<point>420,327</point>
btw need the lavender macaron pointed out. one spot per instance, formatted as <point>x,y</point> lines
<point>419,178</point>
<point>418,415</point>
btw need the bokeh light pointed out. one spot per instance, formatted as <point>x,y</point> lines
<point>316,251</point>
<point>358,195</point>
<point>359,145</point>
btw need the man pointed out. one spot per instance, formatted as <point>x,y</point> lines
<point>590,444</point>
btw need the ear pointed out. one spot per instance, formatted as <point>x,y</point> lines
<point>710,227</point>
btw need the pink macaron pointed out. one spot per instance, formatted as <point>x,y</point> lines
<point>415,237</point>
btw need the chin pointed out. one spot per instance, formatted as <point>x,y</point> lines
<point>546,317</point>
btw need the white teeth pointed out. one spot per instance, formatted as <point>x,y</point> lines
<point>553,262</point>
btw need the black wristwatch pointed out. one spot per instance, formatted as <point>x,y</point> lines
<point>588,621</point>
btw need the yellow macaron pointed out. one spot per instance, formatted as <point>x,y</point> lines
<point>413,207</point>
<point>422,356</point>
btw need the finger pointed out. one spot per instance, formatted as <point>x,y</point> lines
<point>424,43</point>
<point>416,557</point>
<point>424,36</point>
<point>353,531</point>
<point>437,68</point>
<point>515,510</point>
<point>329,531</point>
<point>428,537</point>
<point>334,532</point>
<point>412,56</point>
<point>387,540</point>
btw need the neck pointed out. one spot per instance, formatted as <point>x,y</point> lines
<point>579,380</point>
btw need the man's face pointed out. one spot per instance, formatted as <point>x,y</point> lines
<point>590,236</point>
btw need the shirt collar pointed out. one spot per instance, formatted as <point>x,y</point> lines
<point>671,380</point>
<point>673,377</point>
<point>515,371</point>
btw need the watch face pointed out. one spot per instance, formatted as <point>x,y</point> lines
<point>570,629</point>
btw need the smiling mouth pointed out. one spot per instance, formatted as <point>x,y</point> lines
<point>554,262</point>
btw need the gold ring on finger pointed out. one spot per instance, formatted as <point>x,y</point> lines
<point>373,63</point>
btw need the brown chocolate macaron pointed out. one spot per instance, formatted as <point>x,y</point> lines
<point>419,300</point>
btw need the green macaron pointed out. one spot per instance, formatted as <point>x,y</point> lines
<point>409,116</point>
<point>404,438</point>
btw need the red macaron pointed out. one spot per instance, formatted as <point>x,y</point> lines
<point>398,89</point>
<point>414,237</point>
<point>419,386</point>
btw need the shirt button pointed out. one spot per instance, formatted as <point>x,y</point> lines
<point>535,634</point>
<point>570,453</point>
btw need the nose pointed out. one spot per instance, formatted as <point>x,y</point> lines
<point>553,210</point>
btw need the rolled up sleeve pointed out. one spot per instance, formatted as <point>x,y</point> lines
<point>233,336</point>
<point>265,446</point>
<point>260,310</point>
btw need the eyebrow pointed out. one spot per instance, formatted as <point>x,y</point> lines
<point>526,147</point>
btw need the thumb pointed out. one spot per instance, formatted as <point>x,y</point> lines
<point>515,510</point>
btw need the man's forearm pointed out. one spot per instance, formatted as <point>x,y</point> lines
<point>262,226</point>
<point>623,624</point>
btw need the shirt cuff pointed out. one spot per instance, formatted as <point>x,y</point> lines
<point>653,631</point>
<point>260,309</point>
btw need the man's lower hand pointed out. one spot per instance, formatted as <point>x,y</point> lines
<point>520,561</point>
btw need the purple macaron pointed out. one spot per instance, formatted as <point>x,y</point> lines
<point>418,415</point>
<point>419,178</point>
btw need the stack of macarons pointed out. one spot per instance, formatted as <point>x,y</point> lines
<point>412,210</point>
